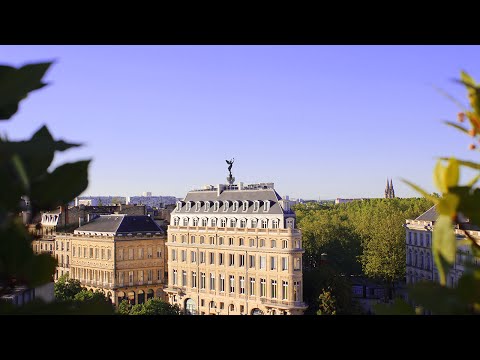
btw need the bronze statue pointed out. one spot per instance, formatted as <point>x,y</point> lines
<point>230,164</point>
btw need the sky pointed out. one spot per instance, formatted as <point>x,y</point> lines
<point>320,122</point>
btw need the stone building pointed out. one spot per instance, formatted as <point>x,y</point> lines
<point>389,191</point>
<point>234,249</point>
<point>419,259</point>
<point>123,255</point>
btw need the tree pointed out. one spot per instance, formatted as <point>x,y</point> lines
<point>124,307</point>
<point>66,288</point>
<point>154,306</point>
<point>327,303</point>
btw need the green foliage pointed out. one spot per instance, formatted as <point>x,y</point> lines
<point>66,288</point>
<point>327,303</point>
<point>24,171</point>
<point>154,306</point>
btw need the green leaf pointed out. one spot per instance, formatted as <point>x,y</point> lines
<point>452,173</point>
<point>61,186</point>
<point>421,191</point>
<point>473,181</point>
<point>469,164</point>
<point>467,79</point>
<point>469,286</point>
<point>439,177</point>
<point>399,307</point>
<point>448,204</point>
<point>456,126</point>
<point>444,246</point>
<point>15,84</point>
<point>469,202</point>
<point>22,174</point>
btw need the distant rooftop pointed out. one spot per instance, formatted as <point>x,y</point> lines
<point>119,224</point>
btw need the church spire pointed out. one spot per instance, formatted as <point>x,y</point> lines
<point>389,191</point>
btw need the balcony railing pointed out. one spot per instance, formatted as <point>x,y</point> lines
<point>237,230</point>
<point>289,303</point>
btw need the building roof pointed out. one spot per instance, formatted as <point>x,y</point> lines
<point>235,195</point>
<point>429,215</point>
<point>120,223</point>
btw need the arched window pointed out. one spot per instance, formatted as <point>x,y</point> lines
<point>195,221</point>
<point>204,221</point>
<point>243,223</point>
<point>214,221</point>
<point>284,244</point>
<point>266,205</point>
<point>256,205</point>
<point>233,222</point>
<point>235,206</point>
<point>275,223</point>
<point>207,205</point>
<point>202,239</point>
<point>179,205</point>
<point>273,244</point>
<point>220,240</point>
<point>176,221</point>
<point>224,222</point>
<point>264,223</point>
<point>225,205</point>
<point>183,238</point>
<point>254,223</point>
<point>189,206</point>
<point>241,242</point>
<point>262,242</point>
<point>216,205</point>
<point>68,260</point>
<point>245,205</point>
<point>198,204</point>
<point>185,221</point>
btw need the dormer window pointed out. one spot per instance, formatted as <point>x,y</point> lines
<point>275,223</point>
<point>225,206</point>
<point>233,222</point>
<point>185,221</point>
<point>216,205</point>
<point>235,206</point>
<point>254,223</point>
<point>256,205</point>
<point>243,223</point>
<point>176,221</point>
<point>245,205</point>
<point>195,221</point>
<point>204,221</point>
<point>198,204</point>
<point>224,222</point>
<point>207,205</point>
<point>266,205</point>
<point>214,221</point>
<point>264,223</point>
<point>189,206</point>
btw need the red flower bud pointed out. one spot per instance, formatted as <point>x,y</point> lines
<point>461,116</point>
<point>472,147</point>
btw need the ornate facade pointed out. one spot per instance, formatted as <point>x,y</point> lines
<point>234,249</point>
<point>122,255</point>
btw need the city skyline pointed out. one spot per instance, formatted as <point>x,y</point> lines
<point>318,121</point>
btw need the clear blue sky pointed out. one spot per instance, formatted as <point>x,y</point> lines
<point>318,121</point>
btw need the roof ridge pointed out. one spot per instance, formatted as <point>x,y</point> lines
<point>425,212</point>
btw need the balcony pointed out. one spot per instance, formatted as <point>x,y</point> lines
<point>283,303</point>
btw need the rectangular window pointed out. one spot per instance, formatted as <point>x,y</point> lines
<point>252,242</point>
<point>130,277</point>
<point>62,245</point>
<point>192,239</point>
<point>273,262</point>
<point>130,254</point>
<point>241,260</point>
<point>263,262</point>
<point>296,290</point>
<point>174,254</point>
<point>263,287</point>
<point>212,240</point>
<point>68,246</point>
<point>241,242</point>
<point>140,277</point>
<point>103,254</point>
<point>91,253</point>
<point>202,280</point>
<point>274,289</point>
<point>202,257</point>
<point>175,277</point>
<point>140,253</point>
<point>220,259</point>
<point>212,281</point>
<point>230,241</point>
<point>232,284</point>
<point>184,255</point>
<point>284,263</point>
<point>150,276</point>
<point>222,283</point>
<point>297,264</point>
<point>120,278</point>
<point>159,252</point>
<point>231,261</point>
<point>251,259</point>
<point>194,279</point>
<point>56,245</point>
<point>212,258</point>
<point>184,278</point>
<point>252,286</point>
<point>73,250</point>
<point>96,253</point>
<point>242,285</point>
<point>193,256</point>
<point>149,253</point>
<point>284,290</point>
<point>109,254</point>
<point>159,275</point>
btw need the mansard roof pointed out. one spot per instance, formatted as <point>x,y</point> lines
<point>120,223</point>
<point>235,195</point>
